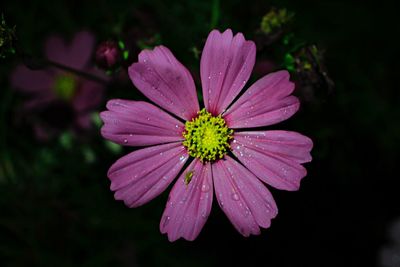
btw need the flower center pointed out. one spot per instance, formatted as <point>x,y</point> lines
<point>207,137</point>
<point>64,86</point>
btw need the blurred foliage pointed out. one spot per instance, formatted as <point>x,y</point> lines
<point>55,202</point>
<point>7,39</point>
<point>275,19</point>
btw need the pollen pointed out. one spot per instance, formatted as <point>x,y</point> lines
<point>207,137</point>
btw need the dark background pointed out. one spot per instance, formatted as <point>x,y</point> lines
<point>57,210</point>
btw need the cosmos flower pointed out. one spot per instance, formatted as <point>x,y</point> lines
<point>210,149</point>
<point>57,99</point>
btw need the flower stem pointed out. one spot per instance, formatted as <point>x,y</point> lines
<point>83,74</point>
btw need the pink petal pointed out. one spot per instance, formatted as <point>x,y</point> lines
<point>81,49</point>
<point>226,65</point>
<point>138,123</point>
<point>266,102</point>
<point>244,199</point>
<point>165,81</point>
<point>56,50</point>
<point>75,55</point>
<point>32,81</point>
<point>189,205</point>
<point>143,174</point>
<point>275,157</point>
<point>89,96</point>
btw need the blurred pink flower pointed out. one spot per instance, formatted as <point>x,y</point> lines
<point>211,136</point>
<point>57,99</point>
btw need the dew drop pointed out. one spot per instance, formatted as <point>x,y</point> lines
<point>125,141</point>
<point>204,215</point>
<point>166,220</point>
<point>246,212</point>
<point>235,196</point>
<point>205,187</point>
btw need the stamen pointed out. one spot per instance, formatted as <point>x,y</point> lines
<point>64,86</point>
<point>207,137</point>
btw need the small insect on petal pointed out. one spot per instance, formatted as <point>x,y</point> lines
<point>188,177</point>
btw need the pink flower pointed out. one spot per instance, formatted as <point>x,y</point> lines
<point>212,136</point>
<point>58,99</point>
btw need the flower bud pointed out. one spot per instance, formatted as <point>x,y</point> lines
<point>108,55</point>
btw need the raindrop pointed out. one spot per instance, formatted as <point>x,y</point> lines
<point>205,187</point>
<point>183,200</point>
<point>166,220</point>
<point>246,212</point>
<point>235,196</point>
<point>125,141</point>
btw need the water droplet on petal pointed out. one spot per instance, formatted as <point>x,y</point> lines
<point>166,220</point>
<point>235,196</point>
<point>246,212</point>
<point>204,215</point>
<point>125,141</point>
<point>205,187</point>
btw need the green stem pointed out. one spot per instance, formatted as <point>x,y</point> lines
<point>215,11</point>
<point>77,72</point>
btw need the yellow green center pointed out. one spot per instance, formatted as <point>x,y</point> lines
<point>64,86</point>
<point>207,137</point>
